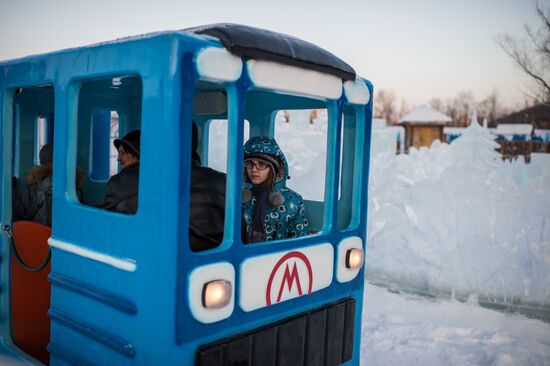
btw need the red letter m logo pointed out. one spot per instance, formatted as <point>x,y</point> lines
<point>289,277</point>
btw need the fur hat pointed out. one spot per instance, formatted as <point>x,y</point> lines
<point>46,154</point>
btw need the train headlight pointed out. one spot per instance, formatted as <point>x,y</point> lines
<point>350,259</point>
<point>211,292</point>
<point>216,294</point>
<point>354,258</point>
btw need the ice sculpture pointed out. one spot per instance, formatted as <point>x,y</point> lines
<point>456,219</point>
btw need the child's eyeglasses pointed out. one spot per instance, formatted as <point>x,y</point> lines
<point>249,164</point>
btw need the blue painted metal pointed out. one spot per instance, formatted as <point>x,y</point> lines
<point>102,300</point>
<point>71,357</point>
<point>108,298</point>
<point>92,332</point>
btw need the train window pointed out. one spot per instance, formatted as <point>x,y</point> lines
<point>294,124</point>
<point>113,135</point>
<point>40,136</point>
<point>109,108</point>
<point>33,124</point>
<point>217,143</point>
<point>104,163</point>
<point>347,168</point>
<point>302,135</point>
<point>15,141</point>
<point>208,167</point>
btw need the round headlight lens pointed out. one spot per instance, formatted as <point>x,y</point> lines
<point>216,294</point>
<point>354,258</point>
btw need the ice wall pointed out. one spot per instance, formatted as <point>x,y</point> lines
<point>457,218</point>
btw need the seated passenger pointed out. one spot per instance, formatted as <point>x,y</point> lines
<point>271,211</point>
<point>122,188</point>
<point>35,203</point>
<point>207,203</point>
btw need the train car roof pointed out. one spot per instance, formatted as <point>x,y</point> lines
<point>256,43</point>
<point>249,42</point>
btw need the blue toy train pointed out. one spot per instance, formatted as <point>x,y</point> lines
<point>128,289</point>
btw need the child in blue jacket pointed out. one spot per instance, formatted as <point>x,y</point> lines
<point>271,210</point>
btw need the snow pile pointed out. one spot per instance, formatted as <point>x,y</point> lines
<point>456,219</point>
<point>408,330</point>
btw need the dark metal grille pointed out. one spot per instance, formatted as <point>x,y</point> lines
<point>323,336</point>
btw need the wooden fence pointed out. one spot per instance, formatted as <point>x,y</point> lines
<point>512,150</point>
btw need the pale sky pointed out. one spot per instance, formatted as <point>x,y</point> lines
<point>420,49</point>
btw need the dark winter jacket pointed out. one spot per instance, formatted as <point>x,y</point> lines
<point>206,207</point>
<point>122,191</point>
<point>35,203</point>
<point>286,216</point>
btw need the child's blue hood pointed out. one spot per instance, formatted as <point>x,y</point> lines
<point>264,145</point>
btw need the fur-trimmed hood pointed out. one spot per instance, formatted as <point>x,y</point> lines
<point>264,146</point>
<point>287,216</point>
<point>37,173</point>
<point>267,149</point>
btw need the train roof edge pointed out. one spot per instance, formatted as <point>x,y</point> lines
<point>247,42</point>
<point>261,44</point>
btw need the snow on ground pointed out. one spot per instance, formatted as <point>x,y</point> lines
<point>407,330</point>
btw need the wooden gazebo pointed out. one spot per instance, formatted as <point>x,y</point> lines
<point>423,125</point>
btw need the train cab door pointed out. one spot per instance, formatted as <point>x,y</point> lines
<point>32,126</point>
<point>109,295</point>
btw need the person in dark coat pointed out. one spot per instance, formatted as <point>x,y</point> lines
<point>271,210</point>
<point>206,203</point>
<point>122,189</point>
<point>35,202</point>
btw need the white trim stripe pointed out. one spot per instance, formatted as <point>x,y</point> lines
<point>124,264</point>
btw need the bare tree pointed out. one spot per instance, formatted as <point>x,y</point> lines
<point>490,107</point>
<point>437,104</point>
<point>404,108</point>
<point>464,103</point>
<point>384,106</point>
<point>532,55</point>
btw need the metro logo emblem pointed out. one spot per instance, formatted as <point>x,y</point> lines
<point>270,279</point>
<point>289,278</point>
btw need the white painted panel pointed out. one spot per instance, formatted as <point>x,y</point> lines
<point>273,278</point>
<point>203,275</point>
<point>218,64</point>
<point>344,274</point>
<point>272,75</point>
<point>357,92</point>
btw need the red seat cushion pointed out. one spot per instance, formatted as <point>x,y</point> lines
<point>30,291</point>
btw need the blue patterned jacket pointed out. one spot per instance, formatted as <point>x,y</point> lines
<point>287,218</point>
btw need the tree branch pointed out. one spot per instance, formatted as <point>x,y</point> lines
<point>545,18</point>
<point>533,62</point>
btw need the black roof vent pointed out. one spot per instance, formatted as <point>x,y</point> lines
<point>261,44</point>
